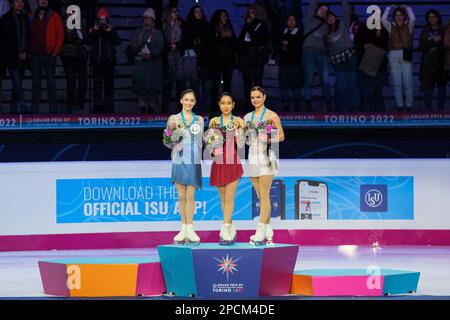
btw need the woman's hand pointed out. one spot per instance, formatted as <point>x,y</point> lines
<point>238,122</point>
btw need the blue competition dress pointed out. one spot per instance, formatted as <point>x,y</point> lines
<point>186,163</point>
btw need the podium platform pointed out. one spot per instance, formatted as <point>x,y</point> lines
<point>102,277</point>
<point>237,271</point>
<point>354,282</point>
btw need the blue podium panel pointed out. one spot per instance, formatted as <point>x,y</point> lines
<point>178,269</point>
<point>400,282</point>
<point>216,271</point>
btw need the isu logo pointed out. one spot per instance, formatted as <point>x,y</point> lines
<point>373,198</point>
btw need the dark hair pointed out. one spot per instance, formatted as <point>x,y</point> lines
<point>167,12</point>
<point>292,15</point>
<point>187,91</point>
<point>215,18</point>
<point>436,13</point>
<point>258,88</point>
<point>401,10</point>
<point>191,16</point>
<point>226,94</point>
<point>336,25</point>
<point>321,4</point>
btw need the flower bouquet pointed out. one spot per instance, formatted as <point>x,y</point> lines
<point>214,140</point>
<point>172,136</point>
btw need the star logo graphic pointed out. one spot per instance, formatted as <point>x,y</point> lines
<point>227,265</point>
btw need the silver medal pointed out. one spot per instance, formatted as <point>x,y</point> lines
<point>195,128</point>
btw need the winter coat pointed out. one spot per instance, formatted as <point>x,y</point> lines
<point>147,74</point>
<point>103,45</point>
<point>366,36</point>
<point>74,46</point>
<point>293,55</point>
<point>433,56</point>
<point>225,48</point>
<point>253,53</point>
<point>54,33</point>
<point>199,35</point>
<point>9,36</point>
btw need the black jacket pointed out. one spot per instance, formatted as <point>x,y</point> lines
<point>366,36</point>
<point>199,36</point>
<point>293,55</point>
<point>9,38</point>
<point>253,54</point>
<point>103,46</point>
<point>74,47</point>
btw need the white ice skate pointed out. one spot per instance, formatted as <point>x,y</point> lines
<point>227,234</point>
<point>191,237</point>
<point>181,236</point>
<point>269,235</point>
<point>258,238</point>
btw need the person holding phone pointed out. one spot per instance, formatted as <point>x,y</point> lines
<point>263,129</point>
<point>227,168</point>
<point>186,131</point>
<point>103,39</point>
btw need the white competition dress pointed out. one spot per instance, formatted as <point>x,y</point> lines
<point>261,162</point>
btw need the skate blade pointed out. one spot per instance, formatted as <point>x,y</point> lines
<point>257,243</point>
<point>192,243</point>
<point>270,243</point>
<point>178,243</point>
<point>227,243</point>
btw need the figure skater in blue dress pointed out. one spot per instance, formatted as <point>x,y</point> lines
<point>187,130</point>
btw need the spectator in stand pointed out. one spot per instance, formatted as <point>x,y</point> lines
<point>103,39</point>
<point>4,7</point>
<point>447,50</point>
<point>253,44</point>
<point>174,28</point>
<point>315,52</point>
<point>432,72</point>
<point>160,6</point>
<point>364,40</point>
<point>225,43</point>
<point>401,45</point>
<point>74,56</point>
<point>343,57</point>
<point>202,37</point>
<point>47,38</point>
<point>15,38</point>
<point>290,74</point>
<point>148,46</point>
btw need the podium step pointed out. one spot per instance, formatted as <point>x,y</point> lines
<point>102,277</point>
<point>354,282</point>
<point>237,271</point>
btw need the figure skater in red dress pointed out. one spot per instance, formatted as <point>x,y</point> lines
<point>227,168</point>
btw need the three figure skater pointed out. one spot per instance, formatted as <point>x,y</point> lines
<point>260,129</point>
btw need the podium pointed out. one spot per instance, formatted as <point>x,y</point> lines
<point>354,282</point>
<point>237,271</point>
<point>102,277</point>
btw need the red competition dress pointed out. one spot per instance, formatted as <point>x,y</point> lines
<point>227,166</point>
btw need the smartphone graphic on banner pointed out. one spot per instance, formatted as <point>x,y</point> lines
<point>311,200</point>
<point>277,201</point>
